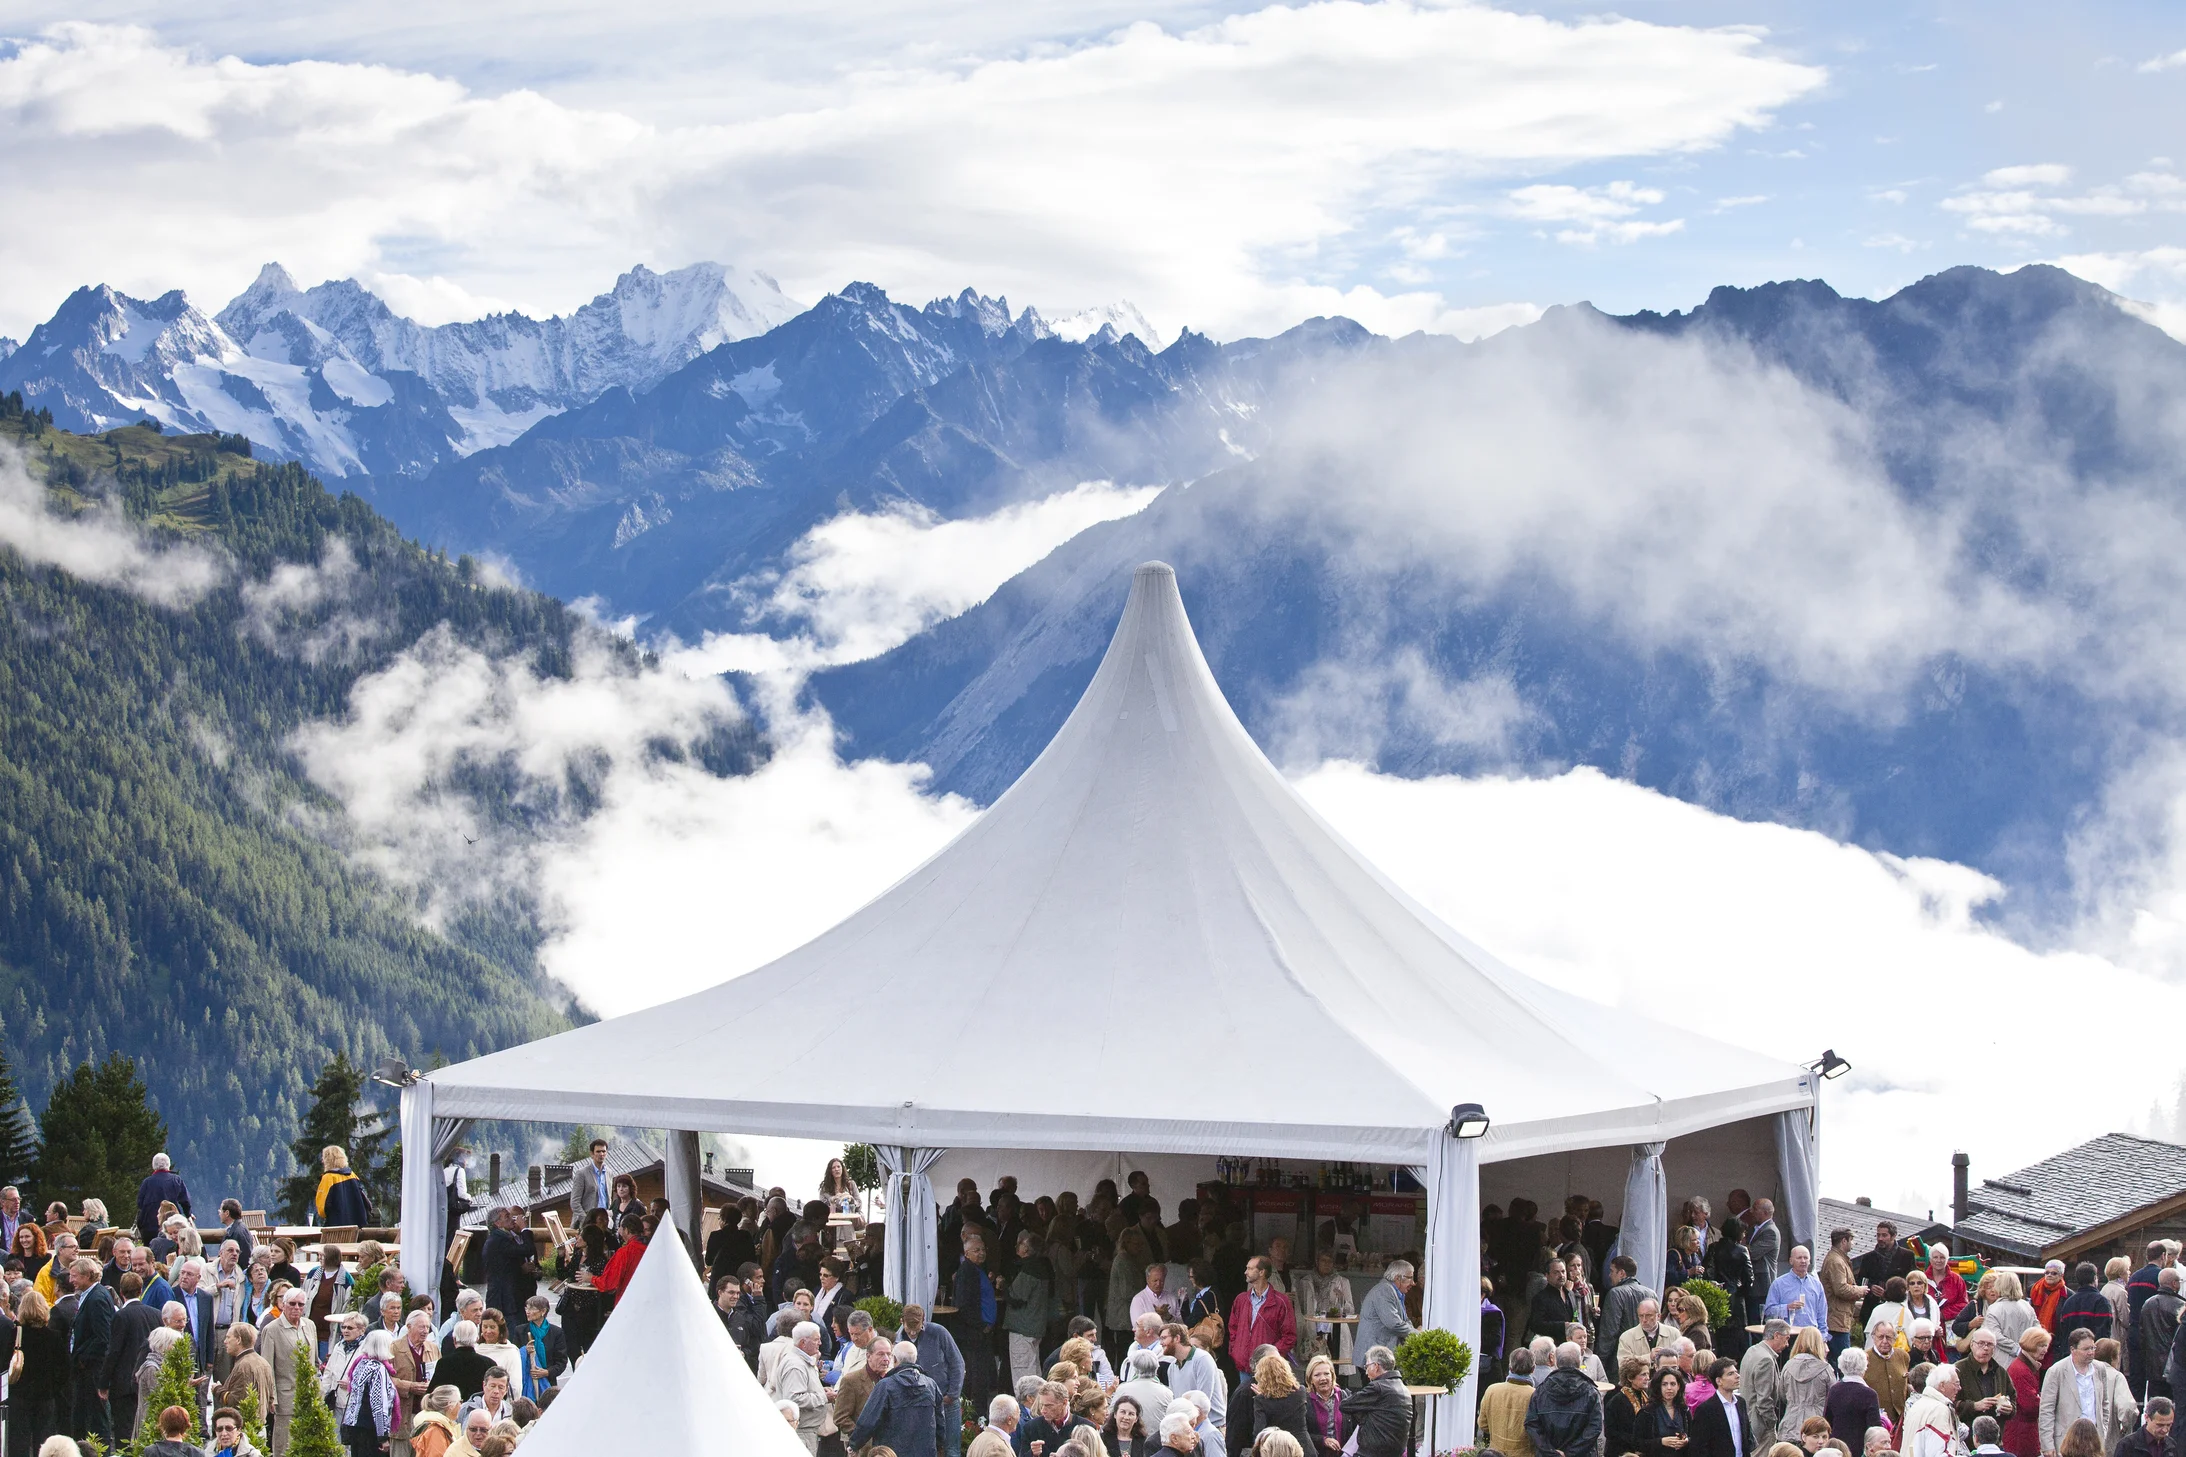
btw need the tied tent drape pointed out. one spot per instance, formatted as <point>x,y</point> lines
<point>424,1196</point>
<point>1452,1275</point>
<point>912,1262</point>
<point>1798,1167</point>
<point>1644,1232</point>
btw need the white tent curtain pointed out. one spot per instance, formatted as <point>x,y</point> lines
<point>424,1203</point>
<point>913,1258</point>
<point>1452,1274</point>
<point>1798,1166</point>
<point>1644,1231</point>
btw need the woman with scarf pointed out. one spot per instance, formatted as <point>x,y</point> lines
<point>546,1349</point>
<point>1324,1409</point>
<point>373,1412</point>
<point>1621,1409</point>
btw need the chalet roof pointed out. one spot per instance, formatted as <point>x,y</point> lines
<point>2032,1210</point>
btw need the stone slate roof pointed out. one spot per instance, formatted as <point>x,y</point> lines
<point>2043,1204</point>
<point>1861,1219</point>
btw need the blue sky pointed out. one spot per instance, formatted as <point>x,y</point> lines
<point>1448,166</point>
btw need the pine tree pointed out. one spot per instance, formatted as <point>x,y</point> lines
<point>173,1388</point>
<point>254,1420</point>
<point>100,1135</point>
<point>335,1118</point>
<point>18,1130</point>
<point>311,1429</point>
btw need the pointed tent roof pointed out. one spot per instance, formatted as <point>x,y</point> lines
<point>1151,870</point>
<point>663,1376</point>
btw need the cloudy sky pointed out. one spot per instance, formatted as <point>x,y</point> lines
<point>1236,168</point>
<point>1233,167</point>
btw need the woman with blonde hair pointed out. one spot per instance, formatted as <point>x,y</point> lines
<point>1324,1407</point>
<point>340,1199</point>
<point>1685,1261</point>
<point>1803,1387</point>
<point>2007,1315</point>
<point>1277,1442</point>
<point>1278,1401</point>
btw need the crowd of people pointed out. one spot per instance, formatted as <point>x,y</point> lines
<point>1100,1327</point>
<point>1863,1352</point>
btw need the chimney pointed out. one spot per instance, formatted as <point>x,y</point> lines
<point>493,1175</point>
<point>538,1180</point>
<point>1959,1164</point>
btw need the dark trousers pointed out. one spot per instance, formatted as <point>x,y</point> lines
<point>123,1405</point>
<point>31,1419</point>
<point>979,1374</point>
<point>362,1440</point>
<point>89,1418</point>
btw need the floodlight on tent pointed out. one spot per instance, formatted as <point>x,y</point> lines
<point>1829,1065</point>
<point>395,1073</point>
<point>1468,1120</point>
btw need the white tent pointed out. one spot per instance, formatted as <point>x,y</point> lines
<point>663,1377</point>
<point>1154,870</point>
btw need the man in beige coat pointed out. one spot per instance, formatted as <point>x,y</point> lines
<point>290,1346</point>
<point>1843,1288</point>
<point>994,1438</point>
<point>2081,1386</point>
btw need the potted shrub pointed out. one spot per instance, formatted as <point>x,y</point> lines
<point>1433,1358</point>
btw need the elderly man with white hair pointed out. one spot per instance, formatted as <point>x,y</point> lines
<point>1178,1434</point>
<point>1209,1435</point>
<point>1143,1384</point>
<point>1931,1418</point>
<point>1564,1418</point>
<point>1796,1297</point>
<point>797,1380</point>
<point>905,1412</point>
<point>1382,1317</point>
<point>1543,1351</point>
<point>1003,1414</point>
<point>162,1186</point>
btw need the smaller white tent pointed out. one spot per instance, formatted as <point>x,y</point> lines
<point>663,1377</point>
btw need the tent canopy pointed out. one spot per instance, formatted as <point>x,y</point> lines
<point>663,1377</point>
<point>1151,884</point>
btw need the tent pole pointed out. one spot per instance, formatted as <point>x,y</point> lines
<point>686,1204</point>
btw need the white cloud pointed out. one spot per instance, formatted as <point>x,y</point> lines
<point>2164,63</point>
<point>1777,939</point>
<point>1042,172</point>
<point>864,582</point>
<point>100,544</point>
<point>2153,280</point>
<point>2038,174</point>
<point>1594,213</point>
<point>304,608</point>
<point>2022,202</point>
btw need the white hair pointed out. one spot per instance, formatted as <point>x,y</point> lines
<point>905,1352</point>
<point>160,1162</point>
<point>1852,1361</point>
<point>1176,1424</point>
<point>1686,1347</point>
<point>1933,1250</point>
<point>174,1307</point>
<point>1398,1270</point>
<point>391,1295</point>
<point>1924,1327</point>
<point>1147,1322</point>
<point>1003,1408</point>
<point>465,1333</point>
<point>378,1346</point>
<point>803,1331</point>
<point>1141,1365</point>
<point>1199,1399</point>
<point>172,1221</point>
<point>1543,1349</point>
<point>163,1340</point>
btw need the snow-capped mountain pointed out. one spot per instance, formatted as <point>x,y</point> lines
<point>332,377</point>
<point>1123,317</point>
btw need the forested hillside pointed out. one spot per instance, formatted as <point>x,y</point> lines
<point>170,886</point>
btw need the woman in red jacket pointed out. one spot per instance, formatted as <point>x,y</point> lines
<point>2022,1433</point>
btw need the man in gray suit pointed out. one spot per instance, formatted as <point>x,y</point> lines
<point>1765,1244</point>
<point>589,1184</point>
<point>1382,1318</point>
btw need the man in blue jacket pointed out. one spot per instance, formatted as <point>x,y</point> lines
<point>905,1413</point>
<point>943,1364</point>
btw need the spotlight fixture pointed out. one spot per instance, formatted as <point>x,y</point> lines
<point>1829,1065</point>
<point>395,1073</point>
<point>1468,1120</point>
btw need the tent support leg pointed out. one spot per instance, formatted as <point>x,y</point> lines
<point>686,1204</point>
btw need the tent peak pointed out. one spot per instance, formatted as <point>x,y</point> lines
<point>1154,572</point>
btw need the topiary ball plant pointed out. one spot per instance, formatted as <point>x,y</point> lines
<point>1715,1298</point>
<point>1433,1358</point>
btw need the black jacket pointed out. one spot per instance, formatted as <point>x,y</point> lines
<point>1709,1427</point>
<point>1620,1424</point>
<point>1566,1415</point>
<point>94,1327</point>
<point>1285,1412</point>
<point>464,1369</point>
<point>557,1349</point>
<point>1550,1313</point>
<point>511,1272</point>
<point>128,1342</point>
<point>1038,1429</point>
<point>746,1327</point>
<point>1657,1422</point>
<point>2138,1443</point>
<point>1383,1415</point>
